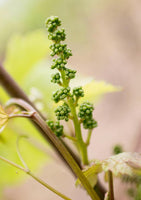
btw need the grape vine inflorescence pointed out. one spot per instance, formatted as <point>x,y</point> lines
<point>62,112</point>
<point>69,97</point>
<point>61,94</point>
<point>56,128</point>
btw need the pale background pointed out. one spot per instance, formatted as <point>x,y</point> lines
<point>105,37</point>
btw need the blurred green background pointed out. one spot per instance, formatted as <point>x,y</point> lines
<point>17,16</point>
<point>105,38</point>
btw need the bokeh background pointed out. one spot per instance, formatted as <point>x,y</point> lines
<point>105,37</point>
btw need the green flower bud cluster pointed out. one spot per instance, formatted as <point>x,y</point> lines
<point>61,94</point>
<point>69,73</point>
<point>63,53</point>
<point>89,123</point>
<point>58,49</point>
<point>59,63</point>
<point>52,23</point>
<point>117,149</point>
<point>78,92</point>
<point>57,36</point>
<point>85,110</point>
<point>56,128</point>
<point>85,113</point>
<point>62,112</point>
<point>56,78</point>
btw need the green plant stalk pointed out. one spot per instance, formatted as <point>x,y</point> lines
<point>89,137</point>
<point>27,171</point>
<point>65,82</point>
<point>13,164</point>
<point>47,186</point>
<point>14,90</point>
<point>18,151</point>
<point>69,159</point>
<point>82,147</point>
<point>70,137</point>
<point>80,143</point>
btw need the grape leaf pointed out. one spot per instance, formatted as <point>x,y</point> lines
<point>126,163</point>
<point>94,90</point>
<point>24,51</point>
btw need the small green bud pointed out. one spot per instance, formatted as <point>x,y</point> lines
<point>79,92</point>
<point>89,123</point>
<point>62,49</point>
<point>62,112</point>
<point>56,78</point>
<point>51,125</point>
<point>58,63</point>
<point>57,36</point>
<point>85,110</point>
<point>56,128</point>
<point>52,23</point>
<point>61,94</point>
<point>69,73</point>
<point>117,149</point>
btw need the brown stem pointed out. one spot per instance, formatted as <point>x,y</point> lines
<point>100,189</point>
<point>13,89</point>
<point>110,182</point>
<point>67,156</point>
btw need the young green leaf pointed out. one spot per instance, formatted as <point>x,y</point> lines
<point>91,174</point>
<point>24,51</point>
<point>126,163</point>
<point>94,90</point>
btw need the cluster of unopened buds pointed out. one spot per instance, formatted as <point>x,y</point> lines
<point>62,78</point>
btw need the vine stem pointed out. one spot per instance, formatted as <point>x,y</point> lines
<point>48,186</point>
<point>18,150</point>
<point>110,182</point>
<point>27,171</point>
<point>13,164</point>
<point>89,137</point>
<point>64,152</point>
<point>15,91</point>
<point>28,115</point>
<point>80,143</point>
<point>69,137</point>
